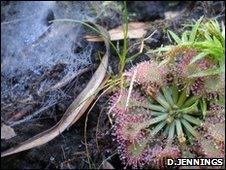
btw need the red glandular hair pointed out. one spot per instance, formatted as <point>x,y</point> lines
<point>212,142</point>
<point>196,85</point>
<point>148,72</point>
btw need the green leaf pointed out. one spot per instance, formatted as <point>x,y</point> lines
<point>182,98</point>
<point>223,35</point>
<point>207,36</point>
<point>198,57</point>
<point>178,127</point>
<point>217,42</point>
<point>190,108</point>
<point>192,119</point>
<point>157,119</point>
<point>158,128</point>
<point>167,94</point>
<point>194,30</point>
<point>195,111</point>
<point>171,131</point>
<point>184,37</point>
<point>157,113</point>
<point>203,106</point>
<point>175,37</point>
<point>160,49</point>
<point>190,101</point>
<point>189,128</point>
<point>166,130</point>
<point>175,93</point>
<point>215,25</point>
<point>189,136</point>
<point>160,98</point>
<point>157,107</point>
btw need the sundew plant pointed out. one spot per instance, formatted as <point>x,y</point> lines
<point>174,108</point>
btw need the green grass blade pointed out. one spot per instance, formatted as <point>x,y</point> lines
<point>160,49</point>
<point>184,37</point>
<point>175,37</point>
<point>217,42</point>
<point>216,26</point>
<point>194,30</point>
<point>207,36</point>
<point>198,57</point>
<point>89,26</point>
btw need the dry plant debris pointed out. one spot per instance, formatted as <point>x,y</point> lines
<point>135,30</point>
<point>73,113</point>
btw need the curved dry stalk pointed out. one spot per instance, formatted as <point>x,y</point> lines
<point>73,112</point>
<point>90,100</point>
<point>85,128</point>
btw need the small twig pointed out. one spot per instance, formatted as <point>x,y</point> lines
<point>97,128</point>
<point>145,39</point>
<point>65,157</point>
<point>67,161</point>
<point>63,152</point>
<point>85,128</point>
<point>141,47</point>
<point>80,153</point>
